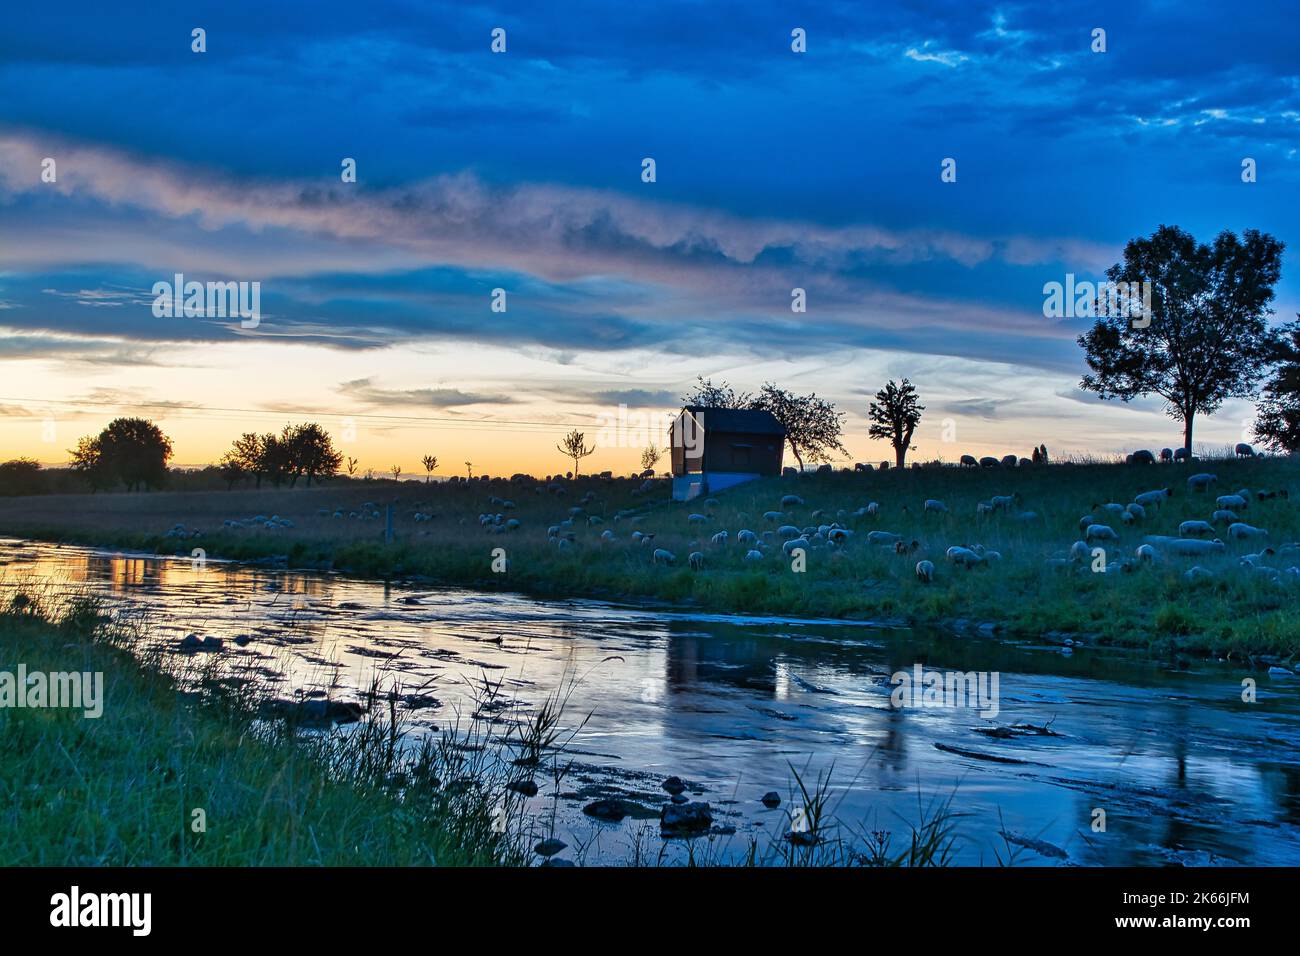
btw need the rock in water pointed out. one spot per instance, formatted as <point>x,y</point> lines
<point>771,799</point>
<point>611,809</point>
<point>526,787</point>
<point>673,785</point>
<point>686,817</point>
<point>549,847</point>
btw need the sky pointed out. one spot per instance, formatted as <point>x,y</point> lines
<point>523,170</point>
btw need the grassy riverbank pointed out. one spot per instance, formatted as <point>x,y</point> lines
<point>122,789</point>
<point>1154,606</point>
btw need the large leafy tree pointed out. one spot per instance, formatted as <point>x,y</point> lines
<point>894,416</point>
<point>1277,425</point>
<point>1207,338</point>
<point>813,428</point>
<point>132,451</point>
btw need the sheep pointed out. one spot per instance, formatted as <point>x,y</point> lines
<point>592,520</point>
<point>1113,508</point>
<point>1182,454</point>
<point>1100,532</point>
<point>1201,481</point>
<point>1157,497</point>
<point>1166,455</point>
<point>512,524</point>
<point>795,544</point>
<point>1243,450</point>
<point>903,547</point>
<point>1145,553</point>
<point>1231,502</point>
<point>925,571</point>
<point>647,540</point>
<point>1086,521</point>
<point>1004,502</point>
<point>838,535</point>
<point>753,555</point>
<point>696,559</point>
<point>745,536</point>
<point>1224,516</point>
<point>720,538</point>
<point>968,461</point>
<point>663,556</point>
<point>773,515</point>
<point>1240,530</point>
<point>791,501</point>
<point>935,506</point>
<point>1193,547</point>
<point>636,535</point>
<point>1009,461</point>
<point>696,519</point>
<point>607,535</point>
<point>1137,511</point>
<point>873,509</point>
<point>1142,456</point>
<point>986,554</point>
<point>1126,517</point>
<point>963,557</point>
<point>883,537</point>
<point>1079,551</point>
<point>1188,528</point>
<point>1250,560</point>
<point>988,461</point>
<point>788,531</point>
<point>983,508</point>
<point>1195,572</point>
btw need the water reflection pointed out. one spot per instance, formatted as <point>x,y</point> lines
<point>1182,768</point>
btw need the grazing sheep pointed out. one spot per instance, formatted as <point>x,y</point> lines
<point>1182,454</point>
<point>1244,451</point>
<point>983,508</point>
<point>986,554</point>
<point>720,538</point>
<point>1241,530</point>
<point>1223,516</point>
<point>873,509</point>
<point>636,535</point>
<point>988,461</point>
<point>664,556</point>
<point>883,537</point>
<point>791,501</point>
<point>1196,572</point>
<point>1126,517</point>
<point>1201,481</point>
<point>925,571</point>
<point>963,557</point>
<point>1145,553</point>
<point>696,560</point>
<point>1100,532</point>
<point>745,536</point>
<point>790,546</point>
<point>903,547</point>
<point>935,506</point>
<point>1009,461</point>
<point>1086,521</point>
<point>1079,551</point>
<point>788,531</point>
<point>1193,547</point>
<point>1157,497</point>
<point>753,555</point>
<point>773,515</point>
<point>1137,511</point>
<point>838,535</point>
<point>1142,456</point>
<point>1166,455</point>
<point>697,519</point>
<point>1231,502</point>
<point>512,524</point>
<point>1112,507</point>
<point>1188,528</point>
<point>1004,502</point>
<point>607,535</point>
<point>968,461</point>
<point>1250,560</point>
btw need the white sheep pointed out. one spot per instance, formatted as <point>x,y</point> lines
<point>664,556</point>
<point>1189,528</point>
<point>925,571</point>
<point>1201,481</point>
<point>697,518</point>
<point>607,535</point>
<point>696,560</point>
<point>1240,530</point>
<point>838,535</point>
<point>1004,502</point>
<point>1079,551</point>
<point>1157,498</point>
<point>873,509</point>
<point>788,531</point>
<point>1100,532</point>
<point>791,546</point>
<point>1137,511</point>
<point>791,501</point>
<point>1145,553</point>
<point>964,557</point>
<point>983,508</point>
<point>933,505</point>
<point>1086,521</point>
<point>773,515</point>
<point>1193,547</point>
<point>1224,516</point>
<point>883,537</point>
<point>745,536</point>
<point>720,538</point>
<point>1231,502</point>
<point>1196,572</point>
<point>753,555</point>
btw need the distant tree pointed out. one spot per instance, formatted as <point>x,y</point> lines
<point>243,460</point>
<point>813,427</point>
<point>469,470</point>
<point>894,416</point>
<point>133,451</point>
<point>275,458</point>
<point>430,463</point>
<point>650,456</point>
<point>1277,424</point>
<point>708,395</point>
<point>352,467</point>
<point>311,453</point>
<point>574,447</point>
<point>21,476</point>
<point>1207,338</point>
<point>395,471</point>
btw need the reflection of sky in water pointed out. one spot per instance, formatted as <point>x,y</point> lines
<point>1181,766</point>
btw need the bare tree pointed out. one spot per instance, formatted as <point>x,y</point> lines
<point>430,463</point>
<point>352,467</point>
<point>574,447</point>
<point>396,471</point>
